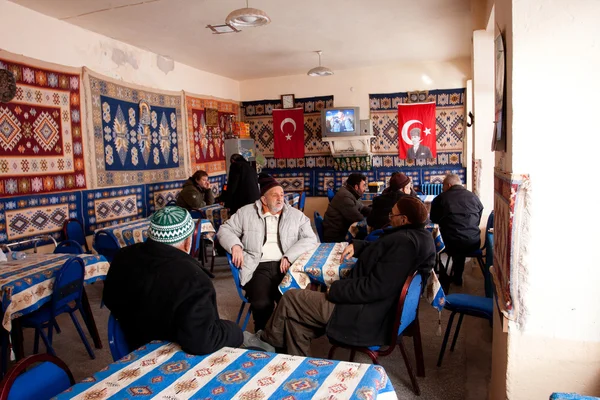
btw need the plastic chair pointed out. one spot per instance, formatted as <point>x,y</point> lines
<point>197,214</point>
<point>73,230</point>
<point>407,322</point>
<point>68,288</point>
<point>330,194</point>
<point>236,278</point>
<point>68,247</point>
<point>374,235</point>
<point>302,201</point>
<point>198,243</point>
<point>106,245</point>
<point>571,396</point>
<point>116,339</point>
<point>48,378</point>
<point>319,225</point>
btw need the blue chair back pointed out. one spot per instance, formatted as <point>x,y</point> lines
<point>330,193</point>
<point>106,245</point>
<point>116,339</point>
<point>302,201</point>
<point>68,285</point>
<point>73,230</point>
<point>196,239</point>
<point>68,247</point>
<point>47,379</point>
<point>319,225</point>
<point>374,235</point>
<point>196,214</point>
<point>236,278</point>
<point>571,396</point>
<point>408,304</point>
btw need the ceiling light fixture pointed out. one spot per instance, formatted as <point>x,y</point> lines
<point>319,71</point>
<point>247,17</point>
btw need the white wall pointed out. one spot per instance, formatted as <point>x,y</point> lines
<point>352,87</point>
<point>38,36</point>
<point>552,62</point>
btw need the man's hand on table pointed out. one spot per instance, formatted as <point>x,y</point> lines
<point>347,253</point>
<point>284,265</point>
<point>237,256</point>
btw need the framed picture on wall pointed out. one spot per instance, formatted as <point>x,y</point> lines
<point>212,117</point>
<point>499,139</point>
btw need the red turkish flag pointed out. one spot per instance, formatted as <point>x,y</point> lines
<point>417,137</point>
<point>288,132</point>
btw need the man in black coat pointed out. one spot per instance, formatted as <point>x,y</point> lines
<point>359,310</point>
<point>157,291</point>
<point>242,184</point>
<point>458,212</point>
<point>345,209</point>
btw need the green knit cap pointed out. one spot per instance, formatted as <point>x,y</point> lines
<point>170,225</point>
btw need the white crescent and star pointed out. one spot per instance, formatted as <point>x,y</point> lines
<point>285,121</point>
<point>406,127</point>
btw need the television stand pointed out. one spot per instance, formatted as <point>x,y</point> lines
<point>347,144</point>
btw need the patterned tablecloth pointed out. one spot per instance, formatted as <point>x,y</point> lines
<point>320,265</point>
<point>292,199</point>
<point>26,285</point>
<point>137,231</point>
<point>161,370</point>
<point>216,214</point>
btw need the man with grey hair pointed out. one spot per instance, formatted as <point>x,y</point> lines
<point>157,291</point>
<point>458,212</point>
<point>418,150</point>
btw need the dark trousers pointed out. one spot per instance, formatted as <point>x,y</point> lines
<point>458,252</point>
<point>300,317</point>
<point>262,292</point>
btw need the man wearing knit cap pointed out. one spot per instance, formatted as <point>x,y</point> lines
<point>400,185</point>
<point>360,309</point>
<point>264,239</point>
<point>157,291</point>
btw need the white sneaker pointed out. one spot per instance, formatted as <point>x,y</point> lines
<point>253,340</point>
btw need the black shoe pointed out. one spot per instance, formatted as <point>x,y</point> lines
<point>457,281</point>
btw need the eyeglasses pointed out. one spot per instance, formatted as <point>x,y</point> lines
<point>390,215</point>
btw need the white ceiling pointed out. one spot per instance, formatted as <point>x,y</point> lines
<point>351,33</point>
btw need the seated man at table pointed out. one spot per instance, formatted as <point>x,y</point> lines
<point>157,291</point>
<point>264,239</point>
<point>400,185</point>
<point>345,209</point>
<point>359,310</point>
<point>458,212</point>
<point>196,192</point>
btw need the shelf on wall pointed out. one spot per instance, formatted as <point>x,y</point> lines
<point>364,148</point>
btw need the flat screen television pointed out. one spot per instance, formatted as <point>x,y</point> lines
<point>340,121</point>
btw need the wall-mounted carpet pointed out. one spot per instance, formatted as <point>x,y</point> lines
<point>41,140</point>
<point>136,133</point>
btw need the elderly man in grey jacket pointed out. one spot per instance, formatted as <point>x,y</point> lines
<point>264,239</point>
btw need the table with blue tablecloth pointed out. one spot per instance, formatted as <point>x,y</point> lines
<point>162,370</point>
<point>292,199</point>
<point>136,231</point>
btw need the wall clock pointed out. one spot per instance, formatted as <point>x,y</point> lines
<point>288,101</point>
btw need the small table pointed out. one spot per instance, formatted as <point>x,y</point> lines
<point>292,199</point>
<point>162,370</point>
<point>27,284</point>
<point>216,214</point>
<point>321,265</point>
<point>137,231</point>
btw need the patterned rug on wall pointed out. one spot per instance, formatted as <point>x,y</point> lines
<point>259,115</point>
<point>41,144</point>
<point>159,194</point>
<point>205,138</point>
<point>137,134</point>
<point>24,217</point>
<point>105,207</point>
<point>450,120</point>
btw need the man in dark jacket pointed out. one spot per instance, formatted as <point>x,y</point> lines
<point>458,212</point>
<point>158,292</point>
<point>359,310</point>
<point>345,209</point>
<point>196,192</point>
<point>400,185</point>
<point>242,184</point>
